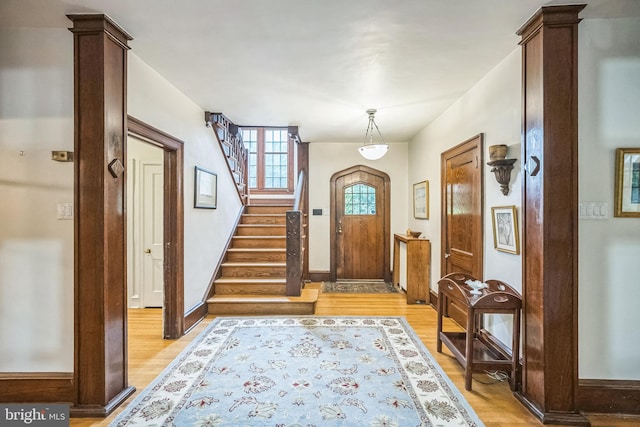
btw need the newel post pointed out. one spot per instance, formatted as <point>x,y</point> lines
<point>294,253</point>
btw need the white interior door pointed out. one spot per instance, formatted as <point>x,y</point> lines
<point>152,235</point>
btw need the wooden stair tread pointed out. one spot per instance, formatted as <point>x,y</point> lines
<point>250,280</point>
<point>307,296</point>
<point>254,264</point>
<point>256,250</point>
<point>253,277</point>
<point>263,237</point>
<point>259,237</point>
<point>262,225</point>
<point>270,205</point>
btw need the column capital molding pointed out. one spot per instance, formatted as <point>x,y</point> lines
<point>95,23</point>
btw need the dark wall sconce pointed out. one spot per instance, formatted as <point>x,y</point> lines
<point>501,166</point>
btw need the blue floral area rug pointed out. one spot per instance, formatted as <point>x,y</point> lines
<point>302,371</point>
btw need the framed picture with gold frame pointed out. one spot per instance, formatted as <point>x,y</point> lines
<point>505,229</point>
<point>421,200</point>
<point>627,187</point>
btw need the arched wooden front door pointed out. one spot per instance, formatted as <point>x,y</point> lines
<point>360,224</point>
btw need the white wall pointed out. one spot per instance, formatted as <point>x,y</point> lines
<point>609,105</point>
<point>36,249</point>
<point>327,158</point>
<point>491,107</point>
<point>609,287</point>
<point>152,99</point>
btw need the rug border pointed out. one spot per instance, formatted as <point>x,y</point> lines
<point>455,390</point>
<point>473,416</point>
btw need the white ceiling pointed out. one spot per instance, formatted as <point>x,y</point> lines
<point>318,64</point>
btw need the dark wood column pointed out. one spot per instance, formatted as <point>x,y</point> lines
<point>550,217</point>
<point>100,72</point>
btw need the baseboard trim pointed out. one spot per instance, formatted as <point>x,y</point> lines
<point>433,299</point>
<point>195,316</point>
<point>609,396</point>
<point>36,387</point>
<point>97,411</point>
<point>564,418</point>
<point>320,276</point>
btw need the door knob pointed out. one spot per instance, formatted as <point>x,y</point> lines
<point>147,251</point>
<point>446,256</point>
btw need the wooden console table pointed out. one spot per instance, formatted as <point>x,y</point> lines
<point>471,348</point>
<point>418,265</point>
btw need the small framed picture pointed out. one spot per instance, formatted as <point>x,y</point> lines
<point>206,189</point>
<point>627,191</point>
<point>505,229</point>
<point>421,200</point>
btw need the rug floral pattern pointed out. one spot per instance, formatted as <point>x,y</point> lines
<point>302,371</point>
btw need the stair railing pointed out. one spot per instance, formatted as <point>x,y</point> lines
<point>295,240</point>
<point>229,136</point>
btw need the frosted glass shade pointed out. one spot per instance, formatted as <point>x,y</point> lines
<point>373,151</point>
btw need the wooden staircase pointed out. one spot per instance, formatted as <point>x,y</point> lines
<point>253,280</point>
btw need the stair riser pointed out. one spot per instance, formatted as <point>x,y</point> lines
<point>263,219</point>
<point>254,271</point>
<point>261,308</point>
<point>259,243</point>
<point>256,256</point>
<point>249,289</point>
<point>262,231</point>
<point>267,209</point>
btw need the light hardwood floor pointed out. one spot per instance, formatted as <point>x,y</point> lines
<point>494,403</point>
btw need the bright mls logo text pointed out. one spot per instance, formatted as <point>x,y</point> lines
<point>36,414</point>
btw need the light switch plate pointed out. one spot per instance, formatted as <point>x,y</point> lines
<point>65,210</point>
<point>594,210</point>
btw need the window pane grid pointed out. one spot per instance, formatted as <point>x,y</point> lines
<point>250,140</point>
<point>268,157</point>
<point>275,171</point>
<point>275,158</point>
<point>360,199</point>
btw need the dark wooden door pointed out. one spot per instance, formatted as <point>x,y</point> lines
<point>360,224</point>
<point>462,195</point>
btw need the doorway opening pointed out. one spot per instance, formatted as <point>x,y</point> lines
<point>163,234</point>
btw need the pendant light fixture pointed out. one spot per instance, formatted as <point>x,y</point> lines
<point>371,150</point>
